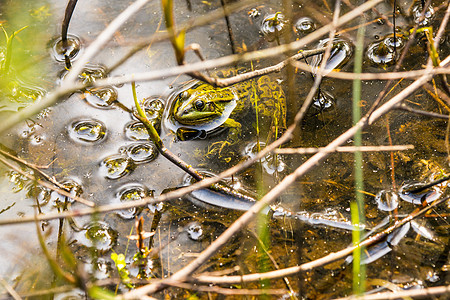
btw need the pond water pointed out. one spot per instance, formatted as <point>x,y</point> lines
<point>92,144</point>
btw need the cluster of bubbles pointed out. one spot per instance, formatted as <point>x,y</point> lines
<point>426,18</point>
<point>153,108</point>
<point>87,131</point>
<point>102,97</point>
<point>386,52</point>
<point>124,162</point>
<point>50,198</point>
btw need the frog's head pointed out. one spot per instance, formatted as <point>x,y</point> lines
<point>200,104</point>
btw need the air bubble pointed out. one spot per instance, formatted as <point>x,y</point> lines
<point>116,166</point>
<point>71,49</point>
<point>131,192</point>
<point>142,152</point>
<point>271,163</point>
<point>136,131</point>
<point>386,200</point>
<point>88,131</point>
<point>304,26</point>
<point>195,231</point>
<point>341,52</point>
<point>101,97</point>
<point>97,235</point>
<point>273,26</point>
<point>323,101</point>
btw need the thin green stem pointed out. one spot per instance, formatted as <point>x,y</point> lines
<point>357,208</point>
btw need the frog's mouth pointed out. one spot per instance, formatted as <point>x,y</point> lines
<point>191,117</point>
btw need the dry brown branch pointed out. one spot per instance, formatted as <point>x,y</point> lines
<point>344,149</point>
<point>10,290</point>
<point>428,293</point>
<point>187,26</point>
<point>404,107</point>
<point>33,167</point>
<point>224,82</point>
<point>207,182</point>
<point>227,291</point>
<point>373,76</point>
<point>51,291</point>
<point>440,93</point>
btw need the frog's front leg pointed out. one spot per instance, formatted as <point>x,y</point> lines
<point>234,132</point>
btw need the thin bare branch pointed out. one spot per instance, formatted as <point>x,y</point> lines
<point>225,291</point>
<point>10,290</point>
<point>344,149</point>
<point>48,185</point>
<point>428,293</point>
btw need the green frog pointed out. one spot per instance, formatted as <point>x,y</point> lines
<point>199,110</point>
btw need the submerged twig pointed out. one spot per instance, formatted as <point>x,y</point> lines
<point>431,114</point>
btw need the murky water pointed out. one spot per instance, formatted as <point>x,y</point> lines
<point>101,152</point>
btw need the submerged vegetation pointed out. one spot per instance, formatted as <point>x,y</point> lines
<point>211,149</point>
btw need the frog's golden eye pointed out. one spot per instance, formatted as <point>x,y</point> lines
<point>199,104</point>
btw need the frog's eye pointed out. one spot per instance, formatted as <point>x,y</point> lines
<point>199,104</point>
